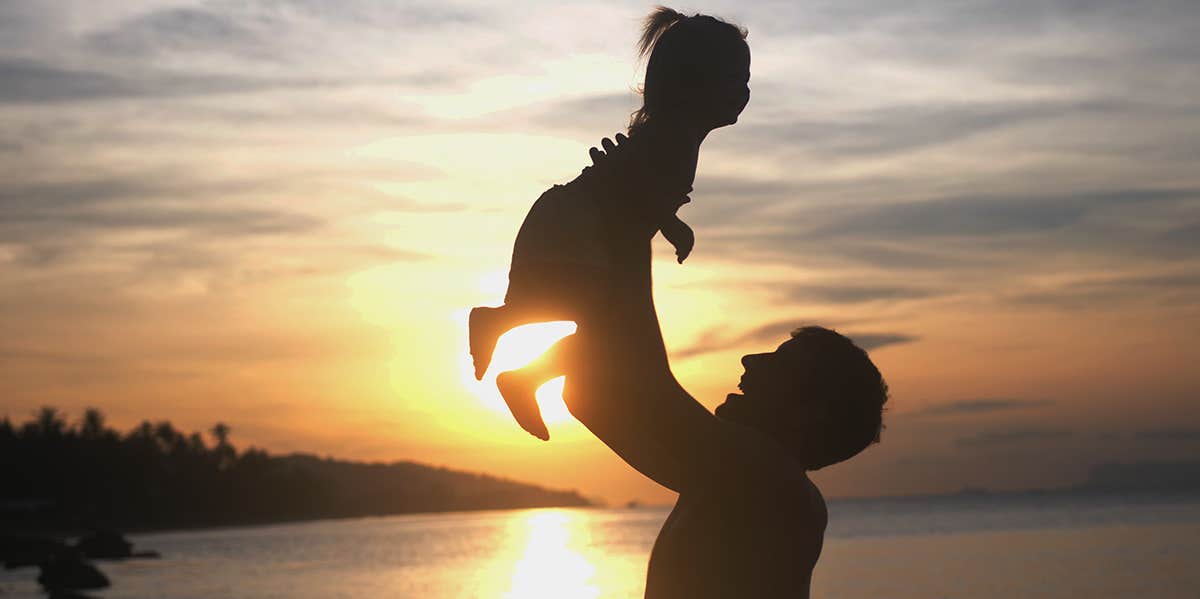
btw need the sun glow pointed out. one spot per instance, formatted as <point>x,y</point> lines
<point>519,347</point>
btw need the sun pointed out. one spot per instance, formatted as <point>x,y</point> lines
<point>517,348</point>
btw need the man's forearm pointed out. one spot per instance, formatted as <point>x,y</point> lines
<point>623,389</point>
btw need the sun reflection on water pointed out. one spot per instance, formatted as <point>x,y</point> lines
<point>552,565</point>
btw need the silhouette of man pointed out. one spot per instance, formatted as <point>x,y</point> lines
<point>748,522</point>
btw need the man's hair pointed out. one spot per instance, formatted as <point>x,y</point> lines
<point>841,375</point>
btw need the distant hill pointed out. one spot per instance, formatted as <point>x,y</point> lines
<point>359,488</point>
<point>57,476</point>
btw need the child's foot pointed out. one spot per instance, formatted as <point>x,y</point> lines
<point>483,336</point>
<point>518,390</point>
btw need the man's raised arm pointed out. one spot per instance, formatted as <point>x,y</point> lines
<point>621,386</point>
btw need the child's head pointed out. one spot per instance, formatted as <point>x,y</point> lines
<point>699,68</point>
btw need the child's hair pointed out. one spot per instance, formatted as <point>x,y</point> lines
<point>681,49</point>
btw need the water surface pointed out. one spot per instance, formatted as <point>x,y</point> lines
<point>973,547</point>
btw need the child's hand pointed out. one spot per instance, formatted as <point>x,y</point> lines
<point>599,156</point>
<point>680,235</point>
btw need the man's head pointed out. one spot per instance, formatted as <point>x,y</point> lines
<point>818,394</point>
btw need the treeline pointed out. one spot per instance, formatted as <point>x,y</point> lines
<point>84,475</point>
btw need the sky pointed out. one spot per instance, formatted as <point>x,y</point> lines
<point>276,214</point>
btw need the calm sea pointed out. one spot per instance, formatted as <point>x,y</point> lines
<point>966,546</point>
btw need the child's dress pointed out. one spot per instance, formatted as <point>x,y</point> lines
<point>563,250</point>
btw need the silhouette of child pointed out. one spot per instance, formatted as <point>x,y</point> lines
<point>696,81</point>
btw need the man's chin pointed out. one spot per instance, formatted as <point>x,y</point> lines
<point>727,410</point>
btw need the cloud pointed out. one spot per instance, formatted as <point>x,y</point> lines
<point>775,333</point>
<point>254,30</point>
<point>167,225</point>
<point>592,116</point>
<point>177,29</point>
<point>958,20</point>
<point>957,232</point>
<point>58,210</point>
<point>988,215</point>
<point>1011,437</point>
<point>1187,235</point>
<point>1170,476</point>
<point>24,81</point>
<point>898,129</point>
<point>873,341</point>
<point>27,81</point>
<point>854,293</point>
<point>237,47</point>
<point>1170,434</point>
<point>1182,287</point>
<point>980,406</point>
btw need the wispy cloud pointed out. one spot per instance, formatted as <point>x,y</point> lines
<point>260,30</point>
<point>899,129</point>
<point>32,82</point>
<point>1170,434</point>
<point>1000,438</point>
<point>854,293</point>
<point>770,335</point>
<point>1172,288</point>
<point>69,214</point>
<point>971,407</point>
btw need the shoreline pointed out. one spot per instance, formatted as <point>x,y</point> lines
<point>965,494</point>
<point>66,533</point>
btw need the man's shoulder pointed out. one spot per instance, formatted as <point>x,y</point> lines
<point>763,468</point>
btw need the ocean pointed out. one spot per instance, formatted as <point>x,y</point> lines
<point>969,546</point>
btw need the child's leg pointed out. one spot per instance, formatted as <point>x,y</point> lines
<point>486,324</point>
<point>519,387</point>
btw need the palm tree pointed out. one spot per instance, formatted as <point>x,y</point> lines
<point>92,426</point>
<point>49,422</point>
<point>220,431</point>
<point>224,451</point>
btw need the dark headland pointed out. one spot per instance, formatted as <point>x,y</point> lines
<point>73,478</point>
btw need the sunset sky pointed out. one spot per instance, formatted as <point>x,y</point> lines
<point>276,214</point>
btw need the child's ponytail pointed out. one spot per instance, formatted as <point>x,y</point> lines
<point>653,27</point>
<point>656,23</point>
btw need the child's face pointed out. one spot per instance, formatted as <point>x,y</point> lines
<point>730,91</point>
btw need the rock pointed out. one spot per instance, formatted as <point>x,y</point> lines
<point>69,595</point>
<point>70,573</point>
<point>105,544</point>
<point>21,552</point>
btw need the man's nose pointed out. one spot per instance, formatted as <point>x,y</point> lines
<point>749,360</point>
